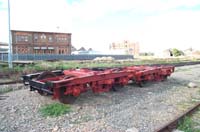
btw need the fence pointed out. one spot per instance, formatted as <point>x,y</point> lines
<point>25,57</point>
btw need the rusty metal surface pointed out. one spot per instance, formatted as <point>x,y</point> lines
<point>3,75</point>
<point>76,81</point>
<point>173,124</point>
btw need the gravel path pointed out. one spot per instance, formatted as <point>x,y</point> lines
<point>130,107</point>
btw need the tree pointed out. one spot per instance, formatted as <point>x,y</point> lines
<point>177,52</point>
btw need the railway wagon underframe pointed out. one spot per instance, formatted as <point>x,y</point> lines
<point>66,85</point>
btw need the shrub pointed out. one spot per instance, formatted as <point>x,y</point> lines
<point>55,109</point>
<point>177,52</point>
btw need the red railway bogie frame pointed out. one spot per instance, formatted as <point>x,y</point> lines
<point>76,81</point>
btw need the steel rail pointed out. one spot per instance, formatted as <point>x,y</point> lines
<point>170,126</point>
<point>11,82</point>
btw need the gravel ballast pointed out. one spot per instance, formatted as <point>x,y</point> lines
<point>130,108</point>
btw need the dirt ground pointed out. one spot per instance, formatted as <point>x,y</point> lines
<point>131,107</point>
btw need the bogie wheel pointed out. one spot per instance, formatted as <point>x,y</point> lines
<point>165,77</point>
<point>43,93</point>
<point>40,92</point>
<point>114,89</point>
<point>66,99</point>
<point>141,84</point>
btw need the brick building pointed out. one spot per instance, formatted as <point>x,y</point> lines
<point>131,48</point>
<point>31,42</point>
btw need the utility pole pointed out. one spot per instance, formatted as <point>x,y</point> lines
<point>10,39</point>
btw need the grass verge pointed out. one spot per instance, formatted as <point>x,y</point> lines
<point>5,90</point>
<point>55,109</point>
<point>44,65</point>
<point>186,125</point>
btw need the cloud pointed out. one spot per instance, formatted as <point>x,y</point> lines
<point>35,15</point>
<point>3,4</point>
<point>177,29</point>
<point>87,10</point>
<point>4,27</point>
<point>40,15</point>
<point>156,24</point>
<point>163,25</point>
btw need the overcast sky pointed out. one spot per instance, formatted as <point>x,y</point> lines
<point>155,24</point>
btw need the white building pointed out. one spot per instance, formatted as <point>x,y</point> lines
<point>3,47</point>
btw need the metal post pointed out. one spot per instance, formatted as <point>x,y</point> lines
<point>10,39</point>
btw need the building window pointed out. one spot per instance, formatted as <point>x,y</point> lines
<point>50,39</point>
<point>43,36</point>
<point>61,39</point>
<point>51,51</point>
<point>35,37</point>
<point>22,38</point>
<point>18,38</point>
<point>26,38</point>
<point>61,51</point>
<point>58,39</point>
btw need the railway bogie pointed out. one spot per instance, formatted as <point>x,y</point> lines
<point>66,85</point>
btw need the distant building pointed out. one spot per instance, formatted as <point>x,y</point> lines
<point>3,50</point>
<point>3,44</point>
<point>83,51</point>
<point>3,47</point>
<point>189,52</point>
<point>130,48</point>
<point>73,48</point>
<point>90,49</point>
<point>167,53</point>
<point>33,42</point>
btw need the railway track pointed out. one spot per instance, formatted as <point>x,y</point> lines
<point>174,64</point>
<point>170,126</point>
<point>11,82</point>
<point>178,64</point>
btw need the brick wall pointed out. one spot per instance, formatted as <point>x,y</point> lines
<point>27,42</point>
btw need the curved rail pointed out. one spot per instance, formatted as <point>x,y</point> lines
<point>173,124</point>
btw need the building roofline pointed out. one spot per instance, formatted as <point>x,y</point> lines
<point>40,32</point>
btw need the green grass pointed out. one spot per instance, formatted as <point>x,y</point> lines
<point>6,90</point>
<point>55,109</point>
<point>191,123</point>
<point>186,125</point>
<point>44,65</point>
<point>183,69</point>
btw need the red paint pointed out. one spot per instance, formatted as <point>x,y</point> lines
<point>77,81</point>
